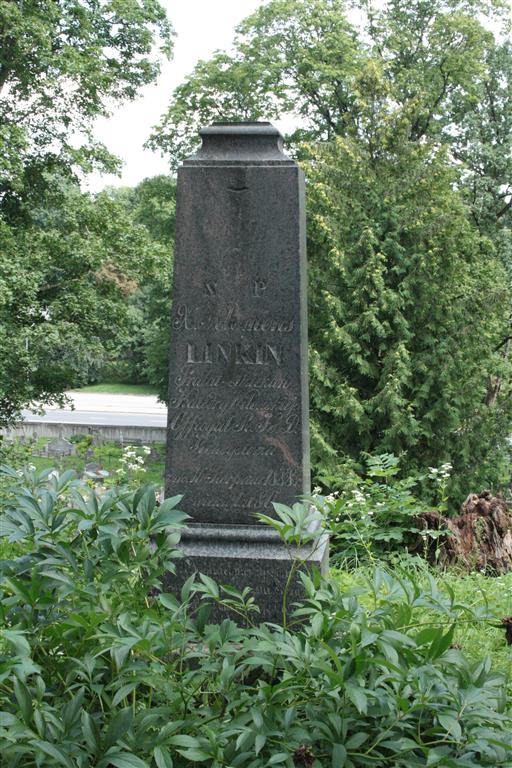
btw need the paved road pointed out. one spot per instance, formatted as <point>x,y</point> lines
<point>99,408</point>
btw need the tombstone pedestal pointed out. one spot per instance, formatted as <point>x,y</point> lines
<point>238,430</point>
<point>253,557</point>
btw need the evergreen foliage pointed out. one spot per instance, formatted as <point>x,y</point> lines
<point>405,138</point>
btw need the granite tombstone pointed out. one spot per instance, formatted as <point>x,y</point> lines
<point>238,433</point>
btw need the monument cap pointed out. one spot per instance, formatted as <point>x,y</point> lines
<point>248,143</point>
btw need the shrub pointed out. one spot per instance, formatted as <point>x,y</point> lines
<point>99,668</point>
<point>375,515</point>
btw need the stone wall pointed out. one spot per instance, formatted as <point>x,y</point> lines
<point>133,435</point>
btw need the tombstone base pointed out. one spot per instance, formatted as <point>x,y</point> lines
<point>247,556</point>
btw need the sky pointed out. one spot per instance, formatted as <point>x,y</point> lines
<point>201,26</point>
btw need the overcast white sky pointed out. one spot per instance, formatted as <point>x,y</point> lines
<point>202,26</point>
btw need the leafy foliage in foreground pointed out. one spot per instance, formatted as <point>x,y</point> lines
<point>98,668</point>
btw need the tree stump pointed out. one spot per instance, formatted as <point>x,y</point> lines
<point>479,539</point>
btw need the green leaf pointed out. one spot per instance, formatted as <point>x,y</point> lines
<point>52,751</point>
<point>122,693</point>
<point>187,588</point>
<point>451,724</point>
<point>170,601</point>
<point>257,718</point>
<point>24,699</point>
<point>72,708</point>
<point>196,755</point>
<point>184,741</point>
<point>170,503</point>
<point>259,742</point>
<point>210,584</point>
<point>356,740</point>
<point>8,721</point>
<point>122,760</point>
<point>339,755</point>
<point>91,732</point>
<point>441,642</point>
<point>162,757</point>
<point>17,638</point>
<point>120,724</point>
<point>279,757</point>
<point>358,697</point>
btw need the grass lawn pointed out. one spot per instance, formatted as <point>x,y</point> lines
<point>118,388</point>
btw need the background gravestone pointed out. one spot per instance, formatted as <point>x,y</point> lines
<point>238,433</point>
<point>61,447</point>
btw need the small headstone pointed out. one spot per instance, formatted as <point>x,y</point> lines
<point>61,447</point>
<point>94,471</point>
<point>93,466</point>
<point>238,432</point>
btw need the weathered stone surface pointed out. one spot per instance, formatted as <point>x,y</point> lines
<point>254,558</point>
<point>238,433</point>
<point>238,409</point>
<point>61,447</point>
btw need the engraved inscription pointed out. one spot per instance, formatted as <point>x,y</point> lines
<point>189,318</point>
<point>203,447</point>
<point>252,400</point>
<point>210,288</point>
<point>185,424</point>
<point>239,354</point>
<point>281,478</point>
<point>259,287</point>
<point>238,499</point>
<point>255,379</point>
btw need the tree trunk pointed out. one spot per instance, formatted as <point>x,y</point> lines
<point>479,539</point>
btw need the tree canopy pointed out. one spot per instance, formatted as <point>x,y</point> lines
<point>68,278</point>
<point>402,126</point>
<point>63,64</point>
<point>67,260</point>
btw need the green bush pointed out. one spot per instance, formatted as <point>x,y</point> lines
<point>375,515</point>
<point>99,668</point>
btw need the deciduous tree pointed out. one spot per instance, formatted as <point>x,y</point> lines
<point>65,259</point>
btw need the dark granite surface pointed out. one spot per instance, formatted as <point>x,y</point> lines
<point>238,410</point>
<point>238,433</point>
<point>262,565</point>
